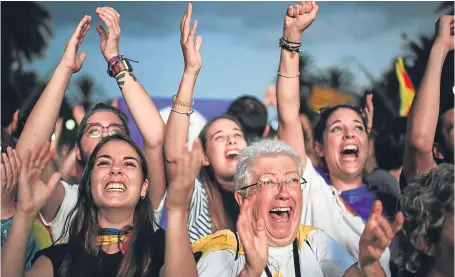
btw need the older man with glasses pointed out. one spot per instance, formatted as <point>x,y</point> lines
<point>270,240</point>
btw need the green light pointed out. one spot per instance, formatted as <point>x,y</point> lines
<point>70,124</point>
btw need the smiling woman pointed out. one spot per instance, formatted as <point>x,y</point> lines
<point>112,231</point>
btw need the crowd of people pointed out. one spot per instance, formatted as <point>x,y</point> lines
<point>244,199</point>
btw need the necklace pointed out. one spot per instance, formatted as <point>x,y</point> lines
<point>295,250</point>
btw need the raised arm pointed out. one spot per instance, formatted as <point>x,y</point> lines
<point>140,105</point>
<point>298,18</point>
<point>178,254</point>
<point>32,195</point>
<point>421,127</point>
<point>176,133</point>
<point>41,122</point>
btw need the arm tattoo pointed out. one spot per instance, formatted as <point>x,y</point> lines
<point>132,75</point>
<point>120,79</point>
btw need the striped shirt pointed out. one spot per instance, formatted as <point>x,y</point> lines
<point>199,220</point>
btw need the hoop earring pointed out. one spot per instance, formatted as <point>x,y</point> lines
<point>142,197</point>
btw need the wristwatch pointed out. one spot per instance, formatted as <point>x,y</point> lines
<point>122,65</point>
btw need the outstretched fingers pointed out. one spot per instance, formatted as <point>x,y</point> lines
<point>187,33</point>
<point>114,17</point>
<point>193,31</point>
<point>79,33</point>
<point>198,44</point>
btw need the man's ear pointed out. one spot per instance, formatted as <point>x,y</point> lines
<point>318,149</point>
<point>238,198</point>
<point>437,151</point>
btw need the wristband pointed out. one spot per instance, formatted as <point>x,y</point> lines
<point>122,65</point>
<point>113,59</point>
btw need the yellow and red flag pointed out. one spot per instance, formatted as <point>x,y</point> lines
<point>407,90</point>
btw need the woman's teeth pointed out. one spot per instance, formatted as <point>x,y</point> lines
<point>116,187</point>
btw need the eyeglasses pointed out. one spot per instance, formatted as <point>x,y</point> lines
<point>291,184</point>
<point>94,130</point>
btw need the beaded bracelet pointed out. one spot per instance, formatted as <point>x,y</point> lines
<point>287,76</point>
<point>182,103</point>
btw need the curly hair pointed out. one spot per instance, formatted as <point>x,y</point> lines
<point>425,204</point>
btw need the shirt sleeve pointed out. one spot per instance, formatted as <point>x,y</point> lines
<point>218,263</point>
<point>159,211</point>
<point>333,259</point>
<point>68,203</point>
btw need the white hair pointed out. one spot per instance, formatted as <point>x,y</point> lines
<point>262,148</point>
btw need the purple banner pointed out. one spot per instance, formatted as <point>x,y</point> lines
<point>205,109</point>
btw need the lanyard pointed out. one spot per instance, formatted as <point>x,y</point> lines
<point>296,261</point>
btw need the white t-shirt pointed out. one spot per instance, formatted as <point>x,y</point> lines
<point>57,225</point>
<point>323,209</point>
<point>319,255</point>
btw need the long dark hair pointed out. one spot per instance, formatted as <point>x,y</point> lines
<point>84,228</point>
<point>223,208</point>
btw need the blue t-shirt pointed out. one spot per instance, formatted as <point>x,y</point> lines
<point>32,247</point>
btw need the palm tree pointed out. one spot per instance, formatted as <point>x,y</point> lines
<point>446,7</point>
<point>86,85</point>
<point>306,79</point>
<point>337,78</point>
<point>24,32</point>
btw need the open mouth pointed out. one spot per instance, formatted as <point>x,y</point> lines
<point>350,152</point>
<point>115,187</point>
<point>232,154</point>
<point>280,214</point>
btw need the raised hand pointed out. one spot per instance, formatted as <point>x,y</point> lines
<point>368,111</point>
<point>71,59</point>
<point>187,169</point>
<point>33,192</point>
<point>377,235</point>
<point>298,18</point>
<point>445,31</point>
<point>253,238</point>
<point>109,43</point>
<point>9,170</point>
<point>191,47</point>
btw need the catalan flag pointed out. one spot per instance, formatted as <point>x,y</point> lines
<point>407,90</point>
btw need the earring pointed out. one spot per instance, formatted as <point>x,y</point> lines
<point>142,197</point>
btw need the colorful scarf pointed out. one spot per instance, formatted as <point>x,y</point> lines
<point>111,235</point>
